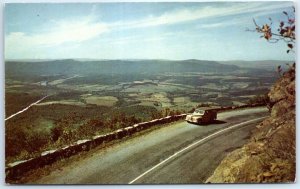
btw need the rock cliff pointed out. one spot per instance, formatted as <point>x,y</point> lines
<point>270,155</point>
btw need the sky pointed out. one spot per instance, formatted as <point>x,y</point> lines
<point>176,31</point>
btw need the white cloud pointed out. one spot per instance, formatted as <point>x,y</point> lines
<point>215,25</point>
<point>208,12</point>
<point>257,11</point>
<point>220,24</point>
<point>87,28</point>
<point>142,38</point>
<point>20,44</point>
<point>61,32</point>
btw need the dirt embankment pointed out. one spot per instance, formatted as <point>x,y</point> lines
<point>270,154</point>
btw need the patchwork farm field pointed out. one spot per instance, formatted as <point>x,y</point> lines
<point>82,105</point>
<point>101,100</point>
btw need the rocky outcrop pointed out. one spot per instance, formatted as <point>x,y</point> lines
<point>270,154</point>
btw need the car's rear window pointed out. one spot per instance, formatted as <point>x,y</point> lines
<point>199,111</point>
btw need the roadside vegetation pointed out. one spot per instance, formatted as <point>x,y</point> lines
<point>260,99</point>
<point>48,127</point>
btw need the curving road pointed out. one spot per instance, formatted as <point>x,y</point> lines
<point>178,153</point>
<point>25,109</point>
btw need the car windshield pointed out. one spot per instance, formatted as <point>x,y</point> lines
<point>201,112</point>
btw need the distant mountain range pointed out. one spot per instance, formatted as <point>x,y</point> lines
<point>262,64</point>
<point>86,66</point>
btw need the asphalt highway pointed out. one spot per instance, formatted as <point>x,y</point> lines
<point>177,153</point>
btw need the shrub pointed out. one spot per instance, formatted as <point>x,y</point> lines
<point>259,99</point>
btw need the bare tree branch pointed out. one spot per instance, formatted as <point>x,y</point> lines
<point>286,31</point>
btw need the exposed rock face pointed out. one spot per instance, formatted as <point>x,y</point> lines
<point>270,154</point>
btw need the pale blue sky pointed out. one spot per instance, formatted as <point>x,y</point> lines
<point>206,31</point>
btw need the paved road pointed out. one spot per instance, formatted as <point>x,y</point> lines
<point>25,109</point>
<point>179,153</point>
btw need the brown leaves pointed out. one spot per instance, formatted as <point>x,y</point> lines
<point>290,46</point>
<point>286,31</point>
<point>266,29</point>
<point>281,24</point>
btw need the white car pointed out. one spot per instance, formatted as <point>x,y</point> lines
<point>202,116</point>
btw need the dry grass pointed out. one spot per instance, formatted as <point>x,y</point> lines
<point>66,102</point>
<point>108,101</point>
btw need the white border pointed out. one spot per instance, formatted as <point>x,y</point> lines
<point>2,157</point>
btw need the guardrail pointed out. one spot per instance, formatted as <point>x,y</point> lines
<point>17,169</point>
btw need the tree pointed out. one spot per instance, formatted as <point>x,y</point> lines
<point>285,31</point>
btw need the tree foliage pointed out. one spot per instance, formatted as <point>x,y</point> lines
<point>284,32</point>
